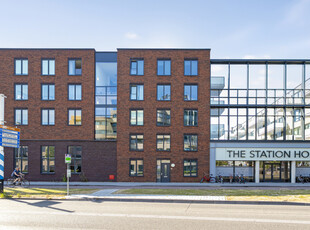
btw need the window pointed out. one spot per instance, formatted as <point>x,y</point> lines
<point>48,117</point>
<point>75,92</point>
<point>21,66</point>
<point>48,67</point>
<point>163,142</point>
<point>190,142</point>
<point>21,92</point>
<point>190,117</point>
<point>75,66</point>
<point>136,67</point>
<point>190,67</point>
<point>163,92</point>
<point>163,67</point>
<point>136,167</point>
<point>75,117</point>
<point>163,117</point>
<point>21,158</point>
<point>190,92</point>
<point>136,117</point>
<point>48,92</point>
<point>136,142</point>
<point>76,158</point>
<point>190,168</point>
<point>21,116</point>
<point>47,159</point>
<point>136,92</point>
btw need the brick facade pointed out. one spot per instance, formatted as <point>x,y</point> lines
<point>150,105</point>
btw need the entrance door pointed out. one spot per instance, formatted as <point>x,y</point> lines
<point>165,172</point>
<point>272,172</point>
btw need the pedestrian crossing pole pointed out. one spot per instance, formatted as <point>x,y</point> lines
<point>1,148</point>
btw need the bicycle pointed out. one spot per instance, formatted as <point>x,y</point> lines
<point>21,182</point>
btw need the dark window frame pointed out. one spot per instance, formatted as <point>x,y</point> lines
<point>75,84</point>
<point>130,90</point>
<point>48,158</point>
<point>164,64</point>
<point>190,160</point>
<point>163,84</point>
<point>21,59</point>
<point>163,134</point>
<point>191,68</point>
<point>157,117</point>
<point>136,164</point>
<point>136,142</point>
<point>21,116</point>
<point>135,60</point>
<point>191,148</point>
<point>74,159</point>
<point>136,109</point>
<point>21,84</point>
<point>21,158</point>
<point>48,116</point>
<point>48,66</point>
<point>74,109</point>
<point>184,124</point>
<point>191,85</point>
<point>48,91</point>
<point>75,59</point>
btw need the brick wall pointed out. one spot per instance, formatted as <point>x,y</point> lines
<point>150,105</point>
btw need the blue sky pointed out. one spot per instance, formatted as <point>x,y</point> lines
<point>232,29</point>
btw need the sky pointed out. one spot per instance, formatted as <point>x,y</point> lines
<point>232,29</point>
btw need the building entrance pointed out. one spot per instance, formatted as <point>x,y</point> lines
<point>275,171</point>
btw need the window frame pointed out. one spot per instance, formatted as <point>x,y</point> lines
<point>138,109</point>
<point>74,59</point>
<point>21,66</point>
<point>21,84</point>
<point>191,60</point>
<point>74,109</point>
<point>48,66</point>
<point>163,134</point>
<point>21,158</point>
<point>136,164</point>
<point>48,159</point>
<point>75,90</point>
<point>74,158</point>
<point>136,60</point>
<point>190,134</point>
<point>162,109</point>
<point>48,116</point>
<point>136,142</point>
<point>191,85</point>
<point>190,160</point>
<point>22,109</point>
<point>164,64</point>
<point>184,124</point>
<point>48,91</point>
<point>136,86</point>
<point>163,84</point>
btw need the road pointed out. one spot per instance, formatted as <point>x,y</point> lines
<point>65,214</point>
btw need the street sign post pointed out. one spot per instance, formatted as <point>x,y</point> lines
<point>68,162</point>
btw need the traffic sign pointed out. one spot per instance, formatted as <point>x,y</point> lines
<point>68,159</point>
<point>9,136</point>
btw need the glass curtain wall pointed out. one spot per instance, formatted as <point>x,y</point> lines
<point>106,100</point>
<point>255,101</point>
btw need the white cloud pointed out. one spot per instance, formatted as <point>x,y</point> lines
<point>131,35</point>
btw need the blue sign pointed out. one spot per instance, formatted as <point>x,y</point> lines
<point>9,138</point>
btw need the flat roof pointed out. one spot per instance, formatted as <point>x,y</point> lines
<point>163,49</point>
<point>260,61</point>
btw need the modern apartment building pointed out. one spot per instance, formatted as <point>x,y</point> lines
<point>158,115</point>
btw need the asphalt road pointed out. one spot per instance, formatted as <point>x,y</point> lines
<point>58,214</point>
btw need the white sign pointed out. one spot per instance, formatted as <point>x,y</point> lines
<point>262,154</point>
<point>68,172</point>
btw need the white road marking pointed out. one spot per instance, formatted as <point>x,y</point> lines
<point>202,218</point>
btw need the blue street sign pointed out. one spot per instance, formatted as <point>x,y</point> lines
<point>9,138</point>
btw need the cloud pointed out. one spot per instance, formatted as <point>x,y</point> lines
<point>132,36</point>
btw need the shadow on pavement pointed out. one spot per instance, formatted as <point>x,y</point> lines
<point>44,204</point>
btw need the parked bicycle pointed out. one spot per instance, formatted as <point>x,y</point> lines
<point>241,179</point>
<point>21,182</point>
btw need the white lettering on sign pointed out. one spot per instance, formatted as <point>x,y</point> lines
<point>262,154</point>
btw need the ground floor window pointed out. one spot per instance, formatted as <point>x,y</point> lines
<point>303,168</point>
<point>47,159</point>
<point>76,158</point>
<point>190,167</point>
<point>21,158</point>
<point>275,171</point>
<point>136,167</point>
<point>233,169</point>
